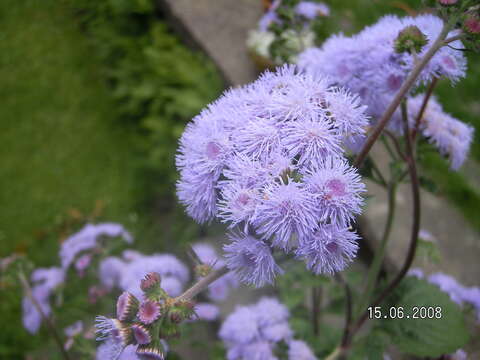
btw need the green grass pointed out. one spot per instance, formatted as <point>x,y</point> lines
<point>59,145</point>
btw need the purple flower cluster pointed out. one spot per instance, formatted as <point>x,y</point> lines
<point>305,10</point>
<point>452,137</point>
<point>268,158</point>
<point>254,332</point>
<point>77,249</point>
<point>368,65</point>
<point>45,281</point>
<point>87,239</point>
<point>459,293</point>
<point>142,326</point>
<point>125,273</point>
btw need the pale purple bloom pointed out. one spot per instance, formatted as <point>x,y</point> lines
<point>329,250</point>
<point>240,327</point>
<point>311,10</point>
<point>336,188</point>
<point>270,311</point>
<point>259,350</point>
<point>251,259</point>
<point>207,312</point>
<point>277,332</point>
<point>269,17</point>
<point>87,238</point>
<point>416,272</point>
<point>74,329</point>
<point>243,161</point>
<point>367,64</point>
<point>253,332</point>
<point>44,281</point>
<point>126,275</point>
<point>286,210</point>
<point>299,350</point>
<point>452,137</point>
<point>460,354</point>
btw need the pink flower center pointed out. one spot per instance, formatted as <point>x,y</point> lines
<point>336,188</point>
<point>242,199</point>
<point>213,150</point>
<point>394,82</point>
<point>332,247</point>
<point>449,62</point>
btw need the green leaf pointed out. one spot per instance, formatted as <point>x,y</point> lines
<point>429,336</point>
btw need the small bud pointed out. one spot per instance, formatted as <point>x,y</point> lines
<point>127,306</point>
<point>148,312</point>
<point>153,351</point>
<point>409,40</point>
<point>203,270</point>
<point>150,281</point>
<point>150,285</point>
<point>141,334</point>
<point>125,333</point>
<point>472,24</point>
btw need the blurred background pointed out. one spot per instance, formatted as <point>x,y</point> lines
<point>94,95</point>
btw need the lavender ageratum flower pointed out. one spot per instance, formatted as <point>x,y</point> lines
<point>259,350</point>
<point>452,137</point>
<point>310,10</point>
<point>311,140</point>
<point>299,350</point>
<point>240,327</point>
<point>246,158</point>
<point>329,250</point>
<point>270,311</point>
<point>337,189</point>
<point>416,272</point>
<point>207,312</point>
<point>286,210</point>
<point>127,275</point>
<point>269,17</point>
<point>368,65</point>
<point>87,238</point>
<point>45,281</point>
<point>253,332</point>
<point>251,259</point>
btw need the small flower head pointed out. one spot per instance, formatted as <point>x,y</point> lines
<point>329,250</point>
<point>299,350</point>
<point>310,10</point>
<point>472,24</point>
<point>150,352</point>
<point>410,40</point>
<point>447,2</point>
<point>148,312</point>
<point>127,306</point>
<point>150,281</point>
<point>141,334</point>
<point>240,327</point>
<point>286,211</point>
<point>207,312</point>
<point>336,188</point>
<point>251,259</point>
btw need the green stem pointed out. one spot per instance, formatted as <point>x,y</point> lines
<point>380,253</point>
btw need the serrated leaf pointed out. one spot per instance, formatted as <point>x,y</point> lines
<point>425,337</point>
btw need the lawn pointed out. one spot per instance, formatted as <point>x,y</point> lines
<point>62,151</point>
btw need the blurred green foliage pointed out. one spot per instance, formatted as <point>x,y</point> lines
<point>157,83</point>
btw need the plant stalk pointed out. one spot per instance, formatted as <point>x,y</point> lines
<point>202,284</point>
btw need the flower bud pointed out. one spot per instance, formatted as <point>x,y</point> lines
<point>141,334</point>
<point>127,307</point>
<point>472,24</point>
<point>409,40</point>
<point>153,351</point>
<point>148,312</point>
<point>150,285</point>
<point>203,270</point>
